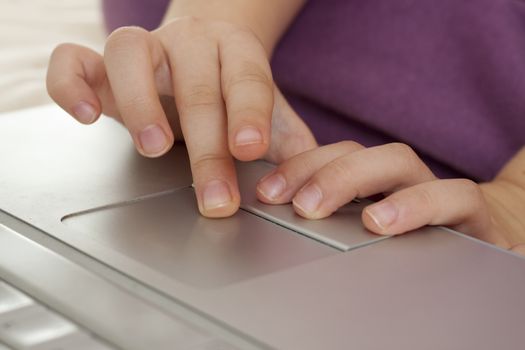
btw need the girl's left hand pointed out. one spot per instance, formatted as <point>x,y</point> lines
<point>320,181</point>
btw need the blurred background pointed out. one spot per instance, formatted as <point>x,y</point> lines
<point>29,30</point>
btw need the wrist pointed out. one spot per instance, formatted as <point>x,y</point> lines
<point>267,19</point>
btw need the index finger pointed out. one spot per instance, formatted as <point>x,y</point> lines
<point>196,85</point>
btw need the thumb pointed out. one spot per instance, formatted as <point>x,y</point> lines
<point>290,135</point>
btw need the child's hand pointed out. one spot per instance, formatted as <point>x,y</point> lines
<point>320,181</point>
<point>225,98</point>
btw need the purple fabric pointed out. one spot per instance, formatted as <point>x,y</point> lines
<point>143,13</point>
<point>447,77</point>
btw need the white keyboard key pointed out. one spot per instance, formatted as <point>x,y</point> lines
<point>11,299</point>
<point>29,329</point>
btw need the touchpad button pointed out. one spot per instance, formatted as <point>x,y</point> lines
<point>342,230</point>
<point>168,234</point>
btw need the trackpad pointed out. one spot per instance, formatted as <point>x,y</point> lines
<point>168,234</point>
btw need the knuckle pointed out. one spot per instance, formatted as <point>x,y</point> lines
<point>425,196</point>
<point>299,167</point>
<point>136,104</point>
<point>471,188</point>
<point>350,145</point>
<point>56,87</point>
<point>249,73</point>
<point>209,161</point>
<point>403,149</point>
<point>477,206</point>
<point>123,37</point>
<point>408,157</point>
<point>240,34</point>
<point>63,49</point>
<point>340,169</point>
<point>255,112</point>
<point>183,28</point>
<point>199,97</point>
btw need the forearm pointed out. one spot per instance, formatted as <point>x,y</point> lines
<point>268,19</point>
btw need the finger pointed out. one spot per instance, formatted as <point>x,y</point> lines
<point>290,135</point>
<point>72,71</point>
<point>457,203</point>
<point>203,122</point>
<point>281,184</point>
<point>360,174</point>
<point>519,248</point>
<point>131,55</point>
<point>247,87</point>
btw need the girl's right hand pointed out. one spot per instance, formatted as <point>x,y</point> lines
<point>218,81</point>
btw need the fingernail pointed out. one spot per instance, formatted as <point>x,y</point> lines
<point>153,140</point>
<point>216,194</point>
<point>247,136</point>
<point>84,113</point>
<point>308,199</point>
<point>384,214</point>
<point>273,186</point>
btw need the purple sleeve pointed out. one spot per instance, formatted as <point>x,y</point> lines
<point>444,76</point>
<point>146,14</point>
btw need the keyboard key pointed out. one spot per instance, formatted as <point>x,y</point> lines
<point>35,327</point>
<point>11,299</point>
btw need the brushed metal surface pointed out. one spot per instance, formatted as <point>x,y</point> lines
<point>429,290</point>
<point>93,302</point>
<point>432,289</point>
<point>167,233</point>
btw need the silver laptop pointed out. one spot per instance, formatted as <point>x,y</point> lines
<point>101,248</point>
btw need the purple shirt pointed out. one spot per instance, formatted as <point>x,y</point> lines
<point>446,77</point>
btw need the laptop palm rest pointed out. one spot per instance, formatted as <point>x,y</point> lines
<point>167,233</point>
